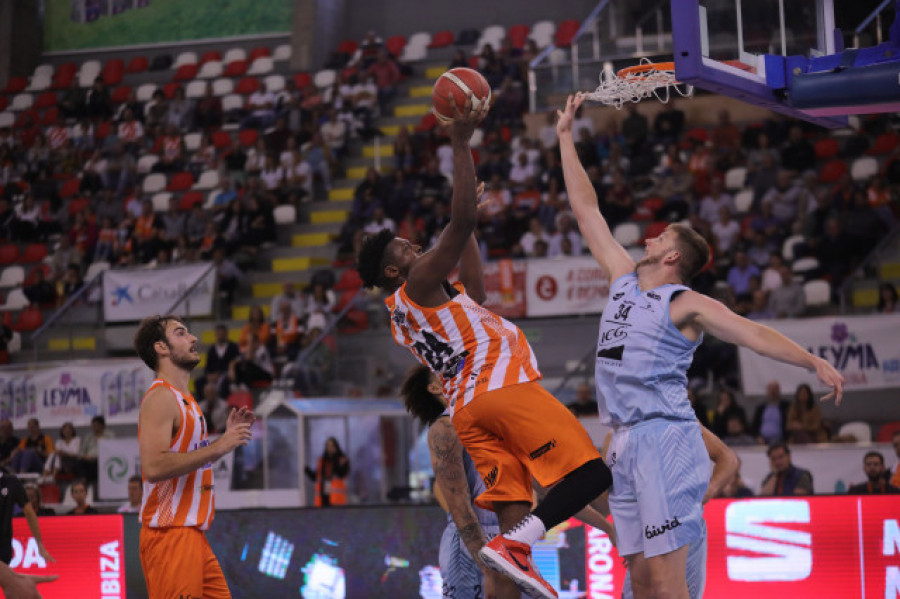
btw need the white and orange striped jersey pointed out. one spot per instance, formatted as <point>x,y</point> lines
<point>472,349</point>
<point>187,500</point>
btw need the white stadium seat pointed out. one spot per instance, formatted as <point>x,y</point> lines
<point>222,87</point>
<point>734,178</point>
<point>787,248</point>
<point>860,430</point>
<point>39,82</point>
<point>419,40</point>
<point>7,119</point>
<point>12,276</point>
<point>274,83</point>
<point>192,142</point>
<point>88,72</point>
<point>325,78</point>
<point>208,180</point>
<point>234,54</point>
<point>261,66</point>
<point>627,234</point>
<point>818,293</point>
<point>285,214</point>
<point>864,168</point>
<point>154,182</point>
<point>16,300</point>
<point>804,265</point>
<point>145,163</point>
<point>183,59</point>
<point>145,92</point>
<point>743,200</point>
<point>210,70</point>
<point>195,89</point>
<point>282,52</point>
<point>21,102</point>
<point>161,201</point>
<point>44,70</point>
<point>232,102</point>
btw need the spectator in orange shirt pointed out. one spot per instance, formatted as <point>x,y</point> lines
<point>32,451</point>
<point>256,325</point>
<point>287,331</point>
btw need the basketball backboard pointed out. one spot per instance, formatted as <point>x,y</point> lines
<point>784,55</point>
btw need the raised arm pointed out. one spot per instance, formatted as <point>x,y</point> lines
<point>450,480</point>
<point>725,463</point>
<point>35,528</point>
<point>695,310</point>
<point>433,268</point>
<point>611,256</point>
<point>471,271</point>
<point>158,419</point>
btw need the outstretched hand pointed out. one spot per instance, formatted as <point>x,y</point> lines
<point>242,415</point>
<point>467,119</point>
<point>566,117</point>
<point>832,378</point>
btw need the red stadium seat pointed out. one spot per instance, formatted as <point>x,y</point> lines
<point>70,188</point>
<point>428,122</point>
<point>30,319</point>
<point>248,137</point>
<point>77,205</point>
<point>64,75</point>
<point>49,117</point>
<point>45,100</point>
<point>180,182</point>
<point>518,35</point>
<point>349,72</point>
<point>113,71</point>
<point>189,199</point>
<point>826,148</point>
<point>565,33</point>
<point>302,80</point>
<point>648,209</point>
<point>210,55</point>
<point>654,230</point>
<point>50,493</point>
<point>246,86</point>
<point>186,72</point>
<point>258,52</point>
<point>349,281</point>
<point>395,44</point>
<point>103,130</point>
<point>9,254</point>
<point>16,85</point>
<point>833,171</point>
<point>168,90</point>
<point>3,103</point>
<point>886,432</point>
<point>473,62</point>
<point>34,252</point>
<point>45,268</point>
<point>120,94</point>
<point>884,144</point>
<point>347,47</point>
<point>221,139</point>
<point>241,399</point>
<point>138,64</point>
<point>697,134</point>
<point>235,69</point>
<point>441,39</point>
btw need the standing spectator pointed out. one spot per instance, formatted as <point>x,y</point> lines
<point>876,477</point>
<point>90,450</point>
<point>214,407</point>
<point>33,493</point>
<point>8,441</point>
<point>725,135</point>
<point>770,418</point>
<point>99,105</point>
<point>785,479</point>
<point>73,102</point>
<point>135,494</point>
<point>72,282</point>
<point>585,403</point>
<point>79,494</point>
<point>895,441</point>
<point>312,372</point>
<point>330,475</point>
<point>798,154</point>
<point>634,129</point>
<point>221,353</point>
<point>804,418</point>
<point>887,298</point>
<point>228,275</point>
<point>788,300</point>
<point>334,134</point>
<point>12,495</point>
<point>386,75</point>
<point>668,124</point>
<point>33,450</point>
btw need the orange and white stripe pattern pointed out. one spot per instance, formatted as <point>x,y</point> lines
<point>472,349</point>
<point>187,500</point>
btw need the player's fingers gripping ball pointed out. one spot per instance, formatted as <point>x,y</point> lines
<point>451,93</point>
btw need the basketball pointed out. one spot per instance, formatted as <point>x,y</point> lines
<point>450,91</point>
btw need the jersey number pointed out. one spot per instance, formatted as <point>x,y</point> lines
<point>434,351</point>
<point>622,314</point>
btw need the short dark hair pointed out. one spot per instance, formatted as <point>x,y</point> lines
<point>370,261</point>
<point>419,401</point>
<point>98,420</point>
<point>694,251</point>
<point>874,454</point>
<point>135,478</point>
<point>150,331</point>
<point>779,445</point>
<point>79,481</point>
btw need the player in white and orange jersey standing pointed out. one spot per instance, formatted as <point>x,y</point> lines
<point>176,464</point>
<point>512,428</point>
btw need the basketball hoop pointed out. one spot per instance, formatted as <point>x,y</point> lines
<point>633,84</point>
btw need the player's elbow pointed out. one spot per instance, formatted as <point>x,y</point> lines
<point>479,296</point>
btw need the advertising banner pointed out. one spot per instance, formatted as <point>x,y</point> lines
<point>565,286</point>
<point>89,553</point>
<point>119,459</point>
<point>504,283</point>
<point>862,348</point>
<point>135,293</point>
<point>74,392</point>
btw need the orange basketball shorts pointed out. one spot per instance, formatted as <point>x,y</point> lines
<point>178,563</point>
<point>520,432</point>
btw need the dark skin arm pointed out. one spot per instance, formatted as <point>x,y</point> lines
<point>471,272</point>
<point>426,276</point>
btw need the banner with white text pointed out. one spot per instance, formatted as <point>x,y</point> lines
<point>565,286</point>
<point>135,293</point>
<point>74,392</point>
<point>864,349</point>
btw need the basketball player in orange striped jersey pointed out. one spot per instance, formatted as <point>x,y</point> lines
<point>176,465</point>
<point>512,428</point>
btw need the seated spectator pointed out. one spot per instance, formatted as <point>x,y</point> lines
<point>32,451</point>
<point>99,105</point>
<point>726,231</point>
<point>566,232</point>
<point>214,405</point>
<point>585,403</point>
<point>135,495</point>
<point>208,109</point>
<point>736,489</point>
<point>73,102</point>
<point>379,221</point>
<point>736,432</point>
<point>220,354</point>
<point>319,299</point>
<point>181,111</point>
<point>33,494</point>
<point>257,326</point>
<point>156,112</point>
<point>171,151</point>
<point>27,225</point>
<point>253,366</point>
<point>311,375</point>
<point>619,203</point>
<point>711,205</point>
<point>785,479</point>
<point>228,276</point>
<point>535,232</point>
<point>130,131</point>
<point>41,291</point>
<point>319,158</point>
<point>334,134</point>
<point>669,123</point>
<point>63,462</point>
<point>261,108</point>
<point>759,306</point>
<point>887,298</point>
<point>804,418</point>
<point>798,154</point>
<point>726,406</point>
<point>79,494</point>
<point>788,300</point>
<point>739,275</point>
<point>770,418</point>
<point>876,477</point>
<point>8,441</point>
<point>87,462</point>
<point>835,251</point>
<point>204,159</point>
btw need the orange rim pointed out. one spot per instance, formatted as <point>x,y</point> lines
<point>646,68</point>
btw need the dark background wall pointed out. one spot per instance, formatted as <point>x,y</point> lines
<point>21,38</point>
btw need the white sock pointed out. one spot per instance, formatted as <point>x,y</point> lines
<point>528,531</point>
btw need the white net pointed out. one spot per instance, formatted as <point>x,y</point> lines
<point>633,86</point>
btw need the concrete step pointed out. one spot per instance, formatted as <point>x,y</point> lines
<point>310,240</point>
<point>298,263</point>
